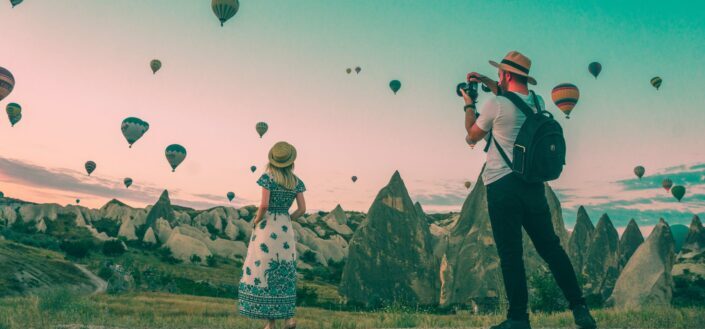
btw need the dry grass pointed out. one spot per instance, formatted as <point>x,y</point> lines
<point>156,310</point>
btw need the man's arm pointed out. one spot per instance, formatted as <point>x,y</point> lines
<point>475,134</point>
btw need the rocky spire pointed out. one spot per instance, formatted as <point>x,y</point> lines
<point>161,209</point>
<point>580,239</point>
<point>601,264</point>
<point>390,255</point>
<point>695,241</point>
<point>631,240</point>
<point>646,279</point>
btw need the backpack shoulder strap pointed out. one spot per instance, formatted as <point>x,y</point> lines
<point>520,104</point>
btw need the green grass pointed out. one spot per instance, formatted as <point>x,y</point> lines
<point>158,310</point>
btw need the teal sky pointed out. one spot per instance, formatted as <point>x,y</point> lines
<point>83,66</point>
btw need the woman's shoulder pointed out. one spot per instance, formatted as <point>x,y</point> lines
<point>266,181</point>
<point>300,186</point>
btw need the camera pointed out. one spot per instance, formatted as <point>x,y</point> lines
<point>470,88</point>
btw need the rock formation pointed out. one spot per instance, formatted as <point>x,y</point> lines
<point>601,264</point>
<point>631,240</point>
<point>580,239</point>
<point>161,209</point>
<point>646,280</point>
<point>691,258</point>
<point>390,255</point>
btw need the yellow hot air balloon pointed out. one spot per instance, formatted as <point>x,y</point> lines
<point>225,9</point>
<point>7,82</point>
<point>565,96</point>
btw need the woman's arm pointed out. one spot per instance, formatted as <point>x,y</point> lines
<point>263,206</point>
<point>300,206</point>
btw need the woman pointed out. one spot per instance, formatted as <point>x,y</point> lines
<point>268,286</point>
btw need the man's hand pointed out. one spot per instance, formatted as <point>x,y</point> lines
<point>479,78</point>
<point>469,141</point>
<point>466,97</point>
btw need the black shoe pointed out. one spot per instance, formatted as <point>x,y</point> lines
<point>513,324</point>
<point>582,317</point>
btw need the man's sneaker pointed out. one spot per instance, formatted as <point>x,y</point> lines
<point>582,317</point>
<point>513,324</point>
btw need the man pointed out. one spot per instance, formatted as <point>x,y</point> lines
<point>514,203</point>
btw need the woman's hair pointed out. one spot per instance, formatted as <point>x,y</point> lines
<point>283,176</point>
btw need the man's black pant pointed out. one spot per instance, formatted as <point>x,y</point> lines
<point>512,204</point>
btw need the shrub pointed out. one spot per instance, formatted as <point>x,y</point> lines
<point>107,226</point>
<point>196,259</point>
<point>309,257</point>
<point>211,261</point>
<point>166,256</point>
<point>113,248</point>
<point>77,248</point>
<point>306,296</point>
<point>65,302</point>
<point>545,296</point>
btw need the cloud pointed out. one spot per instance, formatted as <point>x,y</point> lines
<point>66,180</point>
<point>444,199</point>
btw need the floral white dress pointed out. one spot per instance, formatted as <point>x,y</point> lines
<point>267,289</point>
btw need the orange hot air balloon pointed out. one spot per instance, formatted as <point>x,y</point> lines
<point>565,96</point>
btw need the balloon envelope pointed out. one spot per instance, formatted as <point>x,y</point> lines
<point>155,64</point>
<point>253,168</point>
<point>354,179</point>
<point>231,196</point>
<point>595,68</point>
<point>133,129</point>
<point>14,113</point>
<point>639,171</point>
<point>678,192</point>
<point>7,83</point>
<point>468,184</point>
<point>90,167</point>
<point>395,85</point>
<point>175,154</point>
<point>225,9</point>
<point>128,182</point>
<point>667,184</point>
<point>358,69</point>
<point>15,2</point>
<point>656,82</point>
<point>261,128</point>
<point>78,200</point>
<point>348,70</point>
<point>565,96</point>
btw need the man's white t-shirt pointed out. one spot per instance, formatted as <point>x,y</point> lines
<point>505,120</point>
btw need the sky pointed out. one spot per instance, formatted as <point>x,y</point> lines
<point>82,66</point>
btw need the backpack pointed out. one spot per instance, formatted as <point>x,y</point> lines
<point>539,149</point>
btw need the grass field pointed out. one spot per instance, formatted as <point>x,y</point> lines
<point>61,309</point>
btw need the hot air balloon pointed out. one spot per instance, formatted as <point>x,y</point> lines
<point>261,128</point>
<point>14,113</point>
<point>133,129</point>
<point>667,183</point>
<point>175,154</point>
<point>90,167</point>
<point>2,195</point>
<point>639,171</point>
<point>468,184</point>
<point>128,182</point>
<point>225,9</point>
<point>253,168</point>
<point>565,96</point>
<point>348,70</point>
<point>354,179</point>
<point>678,192</point>
<point>395,85</point>
<point>595,68</point>
<point>231,196</point>
<point>7,83</point>
<point>656,82</point>
<point>155,64</point>
<point>358,69</point>
<point>15,2</point>
<point>78,201</point>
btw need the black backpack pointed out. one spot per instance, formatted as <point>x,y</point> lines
<point>539,150</point>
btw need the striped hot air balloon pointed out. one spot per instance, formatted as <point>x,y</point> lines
<point>7,83</point>
<point>231,196</point>
<point>261,128</point>
<point>14,113</point>
<point>127,181</point>
<point>133,129</point>
<point>225,9</point>
<point>395,85</point>
<point>15,2</point>
<point>656,82</point>
<point>155,65</point>
<point>667,183</point>
<point>565,96</point>
<point>595,68</point>
<point>175,154</point>
<point>90,167</point>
